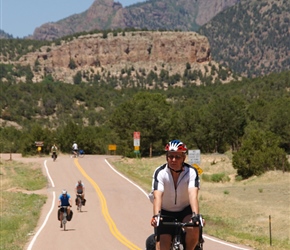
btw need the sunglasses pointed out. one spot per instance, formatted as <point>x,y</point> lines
<point>177,157</point>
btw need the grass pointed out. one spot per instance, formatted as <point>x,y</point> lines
<point>19,209</point>
<point>235,210</point>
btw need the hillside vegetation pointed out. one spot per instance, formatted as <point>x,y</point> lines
<point>252,37</point>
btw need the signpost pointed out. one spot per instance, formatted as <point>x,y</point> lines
<point>112,147</point>
<point>136,138</point>
<point>39,145</point>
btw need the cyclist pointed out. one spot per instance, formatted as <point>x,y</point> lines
<point>75,148</point>
<point>64,200</point>
<point>80,190</point>
<point>175,188</point>
<point>54,151</point>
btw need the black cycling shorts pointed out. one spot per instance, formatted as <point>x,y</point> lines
<point>169,217</point>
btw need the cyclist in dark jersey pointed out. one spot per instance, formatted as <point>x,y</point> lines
<point>64,200</point>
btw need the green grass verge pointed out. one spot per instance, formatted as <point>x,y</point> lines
<point>20,211</point>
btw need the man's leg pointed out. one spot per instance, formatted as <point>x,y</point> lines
<point>68,211</point>
<point>164,242</point>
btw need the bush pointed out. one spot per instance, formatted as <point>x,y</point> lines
<point>219,177</point>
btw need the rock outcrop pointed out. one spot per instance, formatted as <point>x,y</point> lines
<point>141,50</point>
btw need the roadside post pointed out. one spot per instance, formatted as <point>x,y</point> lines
<point>136,138</point>
<point>39,145</point>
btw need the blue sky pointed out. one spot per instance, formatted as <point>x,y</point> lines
<point>20,17</point>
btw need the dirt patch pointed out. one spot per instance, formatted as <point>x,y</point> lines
<point>19,190</point>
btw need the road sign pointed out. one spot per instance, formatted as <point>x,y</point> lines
<point>136,135</point>
<point>199,170</point>
<point>112,147</point>
<point>39,143</point>
<point>194,156</point>
<point>137,142</point>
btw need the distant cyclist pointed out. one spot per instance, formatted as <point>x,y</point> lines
<point>64,200</point>
<point>75,148</point>
<point>53,151</point>
<point>80,190</point>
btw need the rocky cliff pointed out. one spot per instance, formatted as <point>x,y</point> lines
<point>139,50</point>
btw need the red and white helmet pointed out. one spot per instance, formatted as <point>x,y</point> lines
<point>176,146</point>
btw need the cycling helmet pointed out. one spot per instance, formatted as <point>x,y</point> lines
<point>64,191</point>
<point>176,146</point>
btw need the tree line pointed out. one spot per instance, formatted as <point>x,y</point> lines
<point>250,117</point>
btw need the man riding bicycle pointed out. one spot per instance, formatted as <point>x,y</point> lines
<point>80,190</point>
<point>54,151</point>
<point>75,148</point>
<point>175,188</point>
<point>64,200</point>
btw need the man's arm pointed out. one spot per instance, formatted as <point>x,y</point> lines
<point>193,199</point>
<point>157,201</point>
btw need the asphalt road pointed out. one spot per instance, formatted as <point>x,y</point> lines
<point>116,216</point>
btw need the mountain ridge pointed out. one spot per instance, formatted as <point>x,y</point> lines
<point>183,15</point>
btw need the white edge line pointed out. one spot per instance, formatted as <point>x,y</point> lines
<point>224,243</point>
<point>50,211</point>
<point>209,238</point>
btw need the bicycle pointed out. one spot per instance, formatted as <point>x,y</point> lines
<point>178,239</point>
<point>54,156</point>
<point>64,216</point>
<point>80,153</point>
<point>79,202</point>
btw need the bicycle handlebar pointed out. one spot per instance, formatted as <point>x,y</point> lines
<point>180,224</point>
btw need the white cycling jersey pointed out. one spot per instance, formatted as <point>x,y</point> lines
<point>175,200</point>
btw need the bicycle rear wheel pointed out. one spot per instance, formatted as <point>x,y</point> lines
<point>79,201</point>
<point>64,220</point>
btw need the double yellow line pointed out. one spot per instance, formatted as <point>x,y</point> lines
<point>114,230</point>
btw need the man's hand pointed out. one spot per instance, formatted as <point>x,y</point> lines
<point>154,221</point>
<point>195,218</point>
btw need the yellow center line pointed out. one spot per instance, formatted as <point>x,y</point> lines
<point>114,230</point>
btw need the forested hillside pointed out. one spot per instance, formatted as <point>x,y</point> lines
<point>252,37</point>
<point>214,118</point>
